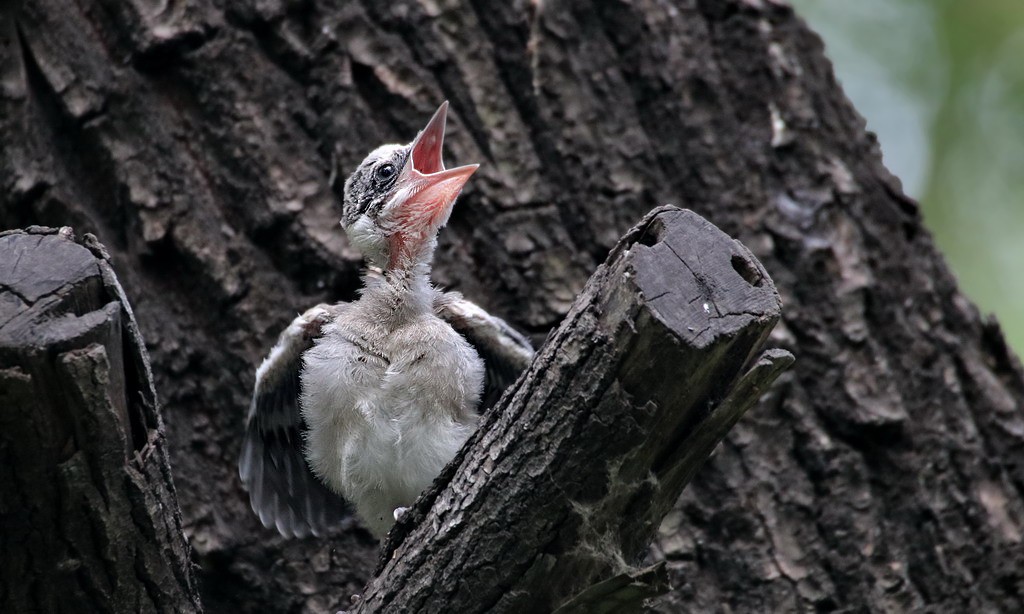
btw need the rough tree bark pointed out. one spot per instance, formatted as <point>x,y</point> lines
<point>197,140</point>
<point>88,513</point>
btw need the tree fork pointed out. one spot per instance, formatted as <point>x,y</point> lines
<point>569,476</point>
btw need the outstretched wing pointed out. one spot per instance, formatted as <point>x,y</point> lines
<point>505,352</point>
<point>283,490</point>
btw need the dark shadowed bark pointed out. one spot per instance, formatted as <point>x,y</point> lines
<point>197,140</point>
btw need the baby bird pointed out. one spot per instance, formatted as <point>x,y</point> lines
<point>365,402</point>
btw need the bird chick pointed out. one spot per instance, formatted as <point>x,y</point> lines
<point>366,401</point>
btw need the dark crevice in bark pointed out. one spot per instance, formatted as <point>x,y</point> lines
<point>72,148</point>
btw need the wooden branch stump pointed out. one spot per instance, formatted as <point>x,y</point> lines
<point>88,509</point>
<point>568,478</point>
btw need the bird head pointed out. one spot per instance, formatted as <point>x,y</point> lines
<point>400,196</point>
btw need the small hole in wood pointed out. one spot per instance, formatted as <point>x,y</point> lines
<point>652,234</point>
<point>747,270</point>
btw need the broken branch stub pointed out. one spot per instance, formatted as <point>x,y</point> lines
<point>569,476</point>
<point>88,509</point>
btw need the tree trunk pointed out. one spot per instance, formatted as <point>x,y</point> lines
<point>197,140</point>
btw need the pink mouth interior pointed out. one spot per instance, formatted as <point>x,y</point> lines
<point>426,154</point>
<point>426,149</point>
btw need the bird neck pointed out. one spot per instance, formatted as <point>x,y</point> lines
<point>399,293</point>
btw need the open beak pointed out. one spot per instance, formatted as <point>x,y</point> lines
<point>426,147</point>
<point>429,190</point>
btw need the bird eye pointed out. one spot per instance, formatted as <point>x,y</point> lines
<point>384,172</point>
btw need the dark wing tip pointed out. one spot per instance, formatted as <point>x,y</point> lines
<point>283,491</point>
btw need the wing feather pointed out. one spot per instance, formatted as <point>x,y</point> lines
<point>283,490</point>
<point>506,352</point>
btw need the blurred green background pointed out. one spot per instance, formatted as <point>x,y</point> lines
<point>942,84</point>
